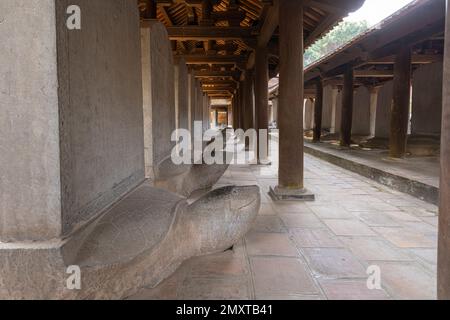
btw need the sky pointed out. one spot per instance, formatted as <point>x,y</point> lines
<point>376,10</point>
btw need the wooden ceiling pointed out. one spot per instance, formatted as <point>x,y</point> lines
<point>217,38</point>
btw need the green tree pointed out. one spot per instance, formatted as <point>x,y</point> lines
<point>339,36</point>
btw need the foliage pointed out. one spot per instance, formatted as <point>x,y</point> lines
<point>336,38</point>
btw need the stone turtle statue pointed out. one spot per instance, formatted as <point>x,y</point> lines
<point>146,236</point>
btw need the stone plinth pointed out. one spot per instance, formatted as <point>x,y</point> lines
<point>286,194</point>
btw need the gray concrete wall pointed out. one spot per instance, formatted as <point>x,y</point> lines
<point>101,121</point>
<point>382,117</point>
<point>181,94</point>
<point>361,112</point>
<point>159,94</point>
<point>30,192</point>
<point>427,100</point>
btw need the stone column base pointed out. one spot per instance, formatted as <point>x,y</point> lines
<point>284,194</point>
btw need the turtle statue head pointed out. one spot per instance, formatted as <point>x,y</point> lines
<point>224,216</point>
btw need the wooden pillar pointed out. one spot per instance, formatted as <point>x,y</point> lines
<point>347,107</point>
<point>291,90</point>
<point>318,110</point>
<point>248,100</point>
<point>262,94</point>
<point>235,110</point>
<point>401,103</point>
<point>241,105</point>
<point>443,277</point>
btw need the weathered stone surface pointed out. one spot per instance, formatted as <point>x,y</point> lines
<point>67,154</point>
<point>29,132</point>
<point>166,97</point>
<point>138,242</point>
<point>181,94</point>
<point>159,95</point>
<point>100,108</point>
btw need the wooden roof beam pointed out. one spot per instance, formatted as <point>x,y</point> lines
<point>270,24</point>
<point>217,74</point>
<point>416,59</point>
<point>374,73</point>
<point>218,82</point>
<point>205,33</point>
<point>341,7</point>
<point>211,59</point>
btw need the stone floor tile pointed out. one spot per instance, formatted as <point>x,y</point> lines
<point>228,288</point>
<point>374,249</point>
<point>274,276</point>
<point>402,216</point>
<point>351,290</point>
<point>291,207</point>
<point>419,211</point>
<point>407,281</point>
<point>332,212</point>
<point>314,238</point>
<point>301,221</point>
<point>267,223</point>
<point>222,264</point>
<point>270,244</point>
<point>378,219</point>
<point>404,238</point>
<point>348,227</point>
<point>267,209</point>
<point>420,227</point>
<point>333,262</point>
<point>428,256</point>
<point>361,205</point>
<point>434,221</point>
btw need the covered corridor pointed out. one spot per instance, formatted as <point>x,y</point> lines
<point>100,198</point>
<point>318,250</point>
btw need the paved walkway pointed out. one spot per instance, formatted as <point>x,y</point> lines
<point>422,169</point>
<point>321,249</point>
